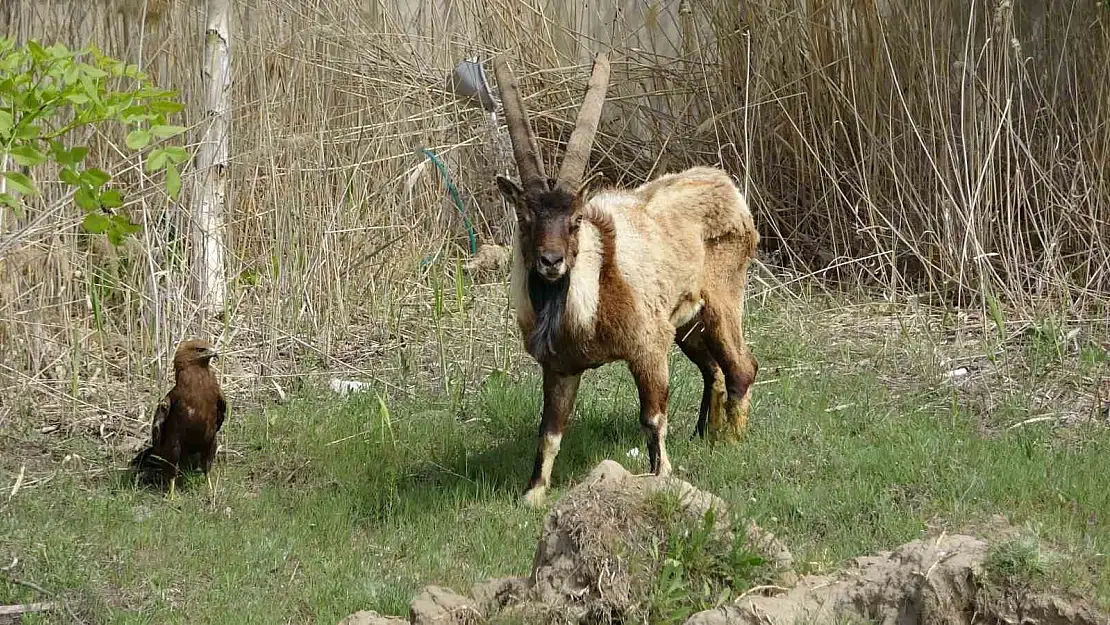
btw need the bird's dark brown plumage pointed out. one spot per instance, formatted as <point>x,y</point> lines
<point>188,417</point>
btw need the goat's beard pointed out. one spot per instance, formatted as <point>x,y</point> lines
<point>549,302</point>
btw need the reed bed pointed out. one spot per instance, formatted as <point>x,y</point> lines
<point>951,150</point>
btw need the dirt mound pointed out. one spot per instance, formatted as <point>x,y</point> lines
<point>605,542</point>
<point>925,581</point>
<point>436,604</point>
<point>620,548</point>
<point>370,617</point>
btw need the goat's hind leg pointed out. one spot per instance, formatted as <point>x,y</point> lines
<point>691,340</point>
<point>651,381</point>
<point>725,339</point>
<point>559,392</point>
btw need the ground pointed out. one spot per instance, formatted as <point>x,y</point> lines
<point>872,425</point>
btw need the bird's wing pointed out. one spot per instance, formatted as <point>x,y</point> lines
<point>157,424</point>
<point>157,431</point>
<point>221,410</point>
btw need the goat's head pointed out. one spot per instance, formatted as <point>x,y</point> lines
<point>549,211</point>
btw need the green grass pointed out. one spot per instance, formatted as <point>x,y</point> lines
<point>319,510</point>
<point>698,568</point>
<point>1019,560</point>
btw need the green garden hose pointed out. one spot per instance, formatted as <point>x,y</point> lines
<point>473,238</point>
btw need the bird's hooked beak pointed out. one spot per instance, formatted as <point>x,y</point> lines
<point>210,352</point>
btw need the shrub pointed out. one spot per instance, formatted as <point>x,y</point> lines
<point>48,95</point>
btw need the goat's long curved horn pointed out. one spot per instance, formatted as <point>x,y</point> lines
<point>582,138</point>
<point>525,150</point>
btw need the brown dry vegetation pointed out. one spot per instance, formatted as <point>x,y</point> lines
<point>938,147</point>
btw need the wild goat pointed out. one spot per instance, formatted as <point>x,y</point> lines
<point>622,274</point>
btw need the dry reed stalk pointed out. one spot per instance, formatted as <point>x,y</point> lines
<point>913,146</point>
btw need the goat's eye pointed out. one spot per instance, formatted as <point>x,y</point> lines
<point>576,222</point>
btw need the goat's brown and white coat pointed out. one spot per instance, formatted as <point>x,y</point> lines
<point>623,274</point>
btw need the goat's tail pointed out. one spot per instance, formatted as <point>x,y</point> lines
<point>736,214</point>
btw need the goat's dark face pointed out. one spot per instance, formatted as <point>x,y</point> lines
<point>548,223</point>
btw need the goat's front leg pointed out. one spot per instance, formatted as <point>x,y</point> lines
<point>652,383</point>
<point>559,392</point>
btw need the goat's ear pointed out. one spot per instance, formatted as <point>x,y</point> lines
<point>514,193</point>
<point>510,190</point>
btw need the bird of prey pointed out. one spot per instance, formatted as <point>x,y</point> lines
<point>187,419</point>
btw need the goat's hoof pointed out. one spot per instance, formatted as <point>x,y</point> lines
<point>722,438</point>
<point>664,470</point>
<point>534,498</point>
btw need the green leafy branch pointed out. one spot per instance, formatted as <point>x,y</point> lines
<point>48,93</point>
